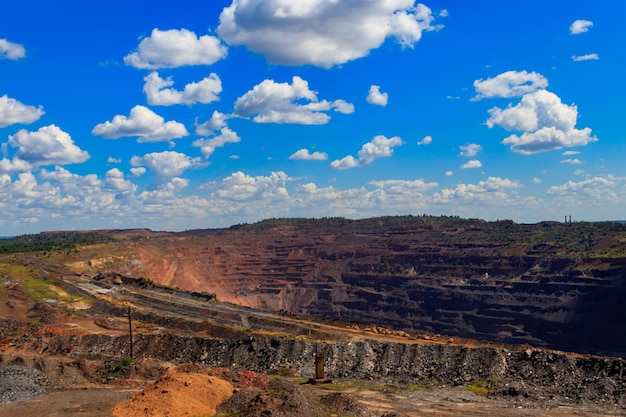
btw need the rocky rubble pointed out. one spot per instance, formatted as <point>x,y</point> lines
<point>525,375</point>
<point>18,383</point>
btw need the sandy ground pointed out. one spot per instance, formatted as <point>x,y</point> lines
<point>95,402</point>
<point>423,403</point>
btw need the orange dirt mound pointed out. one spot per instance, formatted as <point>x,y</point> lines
<point>177,394</point>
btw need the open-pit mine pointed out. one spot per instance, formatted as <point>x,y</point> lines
<point>435,313</point>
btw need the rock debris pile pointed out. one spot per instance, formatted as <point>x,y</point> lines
<point>18,383</point>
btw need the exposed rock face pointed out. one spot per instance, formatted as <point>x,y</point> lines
<point>525,373</point>
<point>551,285</point>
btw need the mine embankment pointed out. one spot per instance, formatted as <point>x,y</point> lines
<point>524,375</point>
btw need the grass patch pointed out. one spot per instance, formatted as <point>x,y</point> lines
<point>118,369</point>
<point>16,270</point>
<point>480,387</point>
<point>39,289</point>
<point>415,387</point>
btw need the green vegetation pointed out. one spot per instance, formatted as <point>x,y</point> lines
<point>16,270</point>
<point>480,387</point>
<point>48,242</point>
<point>39,289</point>
<point>556,238</point>
<point>117,369</point>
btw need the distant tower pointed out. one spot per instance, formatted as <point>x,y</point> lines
<point>570,218</point>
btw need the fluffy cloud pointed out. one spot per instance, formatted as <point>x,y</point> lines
<point>404,187</point>
<point>208,146</point>
<point>379,147</point>
<point>60,196</point>
<point>142,122</point>
<point>47,146</point>
<point>471,149</point>
<point>242,187</point>
<point>426,140</point>
<point>158,93</point>
<point>374,96</point>
<point>580,26</point>
<point>509,84</point>
<point>138,171</point>
<point>493,190</point>
<point>305,155</point>
<point>322,32</point>
<point>547,124</point>
<point>216,122</point>
<point>166,165</point>
<point>597,191</point>
<point>114,180</point>
<point>473,163</point>
<point>10,50</point>
<point>62,176</point>
<point>13,112</point>
<point>175,48</point>
<point>588,57</point>
<point>272,102</point>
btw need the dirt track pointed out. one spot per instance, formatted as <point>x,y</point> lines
<point>99,402</point>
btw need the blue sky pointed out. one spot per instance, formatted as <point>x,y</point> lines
<point>199,114</point>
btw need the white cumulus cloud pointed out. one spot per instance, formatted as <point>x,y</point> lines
<point>472,163</point>
<point>10,50</point>
<point>595,191</point>
<point>471,149</point>
<point>166,165</point>
<point>47,146</point>
<point>243,187</point>
<point>272,102</point>
<point>404,187</point>
<point>13,112</point>
<point>305,155</point>
<point>426,140</point>
<point>208,146</point>
<point>509,84</point>
<point>494,190</point>
<point>216,122</point>
<point>142,122</point>
<point>175,48</point>
<point>545,122</point>
<point>374,96</point>
<point>323,33</point>
<point>580,26</point>
<point>378,147</point>
<point>158,94</point>
<point>114,180</point>
<point>138,171</point>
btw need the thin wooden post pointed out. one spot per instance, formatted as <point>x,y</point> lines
<point>130,332</point>
<point>319,367</point>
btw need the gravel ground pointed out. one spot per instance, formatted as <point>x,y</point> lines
<point>18,383</point>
